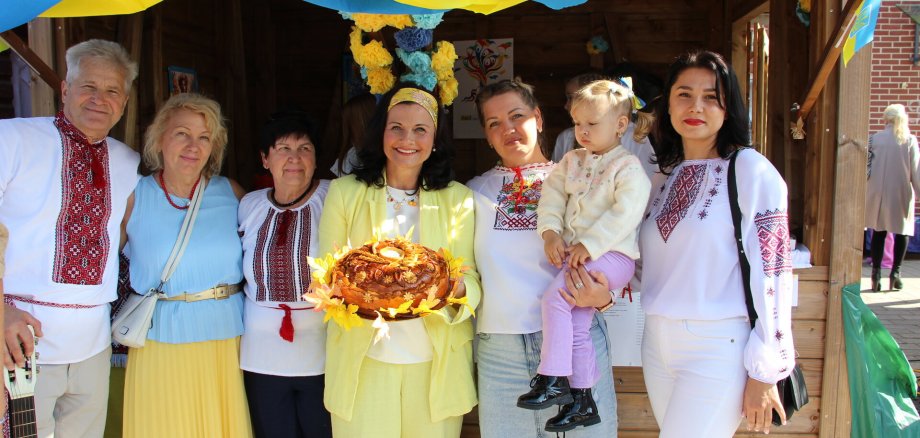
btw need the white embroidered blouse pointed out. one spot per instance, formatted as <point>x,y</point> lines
<point>691,268</point>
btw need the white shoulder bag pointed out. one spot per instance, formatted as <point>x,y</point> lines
<point>135,317</point>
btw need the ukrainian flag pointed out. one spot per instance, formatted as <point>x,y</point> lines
<point>863,28</point>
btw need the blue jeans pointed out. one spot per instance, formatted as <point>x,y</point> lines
<point>505,365</point>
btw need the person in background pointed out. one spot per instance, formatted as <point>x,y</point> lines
<point>418,382</point>
<point>283,348</point>
<point>508,324</point>
<point>894,181</point>
<point>704,366</point>
<point>64,186</point>
<point>356,113</point>
<point>186,379</point>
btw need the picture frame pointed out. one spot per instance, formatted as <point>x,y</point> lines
<point>181,80</point>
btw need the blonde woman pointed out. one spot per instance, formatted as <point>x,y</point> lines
<point>186,380</point>
<point>894,174</point>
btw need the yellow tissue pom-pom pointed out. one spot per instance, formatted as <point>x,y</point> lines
<point>442,60</point>
<point>448,90</point>
<point>370,55</point>
<point>375,22</point>
<point>380,80</point>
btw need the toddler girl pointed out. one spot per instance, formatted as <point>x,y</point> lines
<point>588,214</point>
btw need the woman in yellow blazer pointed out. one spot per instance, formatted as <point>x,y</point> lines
<point>418,382</point>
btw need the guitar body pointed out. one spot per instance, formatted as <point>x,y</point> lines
<point>21,385</point>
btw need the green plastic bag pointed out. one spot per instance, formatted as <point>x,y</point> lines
<point>882,382</point>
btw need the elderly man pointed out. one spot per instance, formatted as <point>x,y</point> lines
<point>63,190</point>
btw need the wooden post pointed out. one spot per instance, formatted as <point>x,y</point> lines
<point>847,237</point>
<point>44,95</point>
<point>240,159</point>
<point>130,31</point>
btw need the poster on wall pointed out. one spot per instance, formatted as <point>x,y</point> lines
<point>479,62</point>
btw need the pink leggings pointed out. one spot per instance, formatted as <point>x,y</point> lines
<point>567,348</point>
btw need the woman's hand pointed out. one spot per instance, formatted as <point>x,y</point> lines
<point>554,247</point>
<point>459,289</point>
<point>760,399</point>
<point>585,289</point>
<point>578,255</point>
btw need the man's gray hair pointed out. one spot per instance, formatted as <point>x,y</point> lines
<point>108,51</point>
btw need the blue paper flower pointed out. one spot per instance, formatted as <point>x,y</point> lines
<point>364,73</point>
<point>411,39</point>
<point>428,21</point>
<point>600,44</point>
<point>345,15</point>
<point>419,64</point>
<point>426,79</point>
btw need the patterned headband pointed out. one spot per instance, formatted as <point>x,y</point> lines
<point>421,97</point>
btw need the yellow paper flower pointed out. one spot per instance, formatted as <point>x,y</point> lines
<point>424,307</point>
<point>454,264</point>
<point>403,308</point>
<point>345,316</point>
<point>462,302</point>
<point>321,268</point>
<point>380,80</point>
<point>375,22</point>
<point>448,90</point>
<point>442,60</point>
<point>370,55</point>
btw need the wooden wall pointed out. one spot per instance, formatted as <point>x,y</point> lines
<point>255,57</point>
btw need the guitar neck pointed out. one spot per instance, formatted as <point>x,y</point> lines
<point>22,418</point>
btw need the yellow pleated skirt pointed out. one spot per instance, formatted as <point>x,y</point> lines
<point>186,390</point>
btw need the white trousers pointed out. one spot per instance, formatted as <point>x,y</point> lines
<point>71,400</point>
<point>694,372</point>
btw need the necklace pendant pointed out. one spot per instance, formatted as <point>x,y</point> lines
<point>397,206</point>
<point>412,202</point>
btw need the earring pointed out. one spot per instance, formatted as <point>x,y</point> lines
<point>619,135</point>
<point>434,149</point>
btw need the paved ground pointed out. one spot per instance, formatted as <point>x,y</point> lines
<point>899,311</point>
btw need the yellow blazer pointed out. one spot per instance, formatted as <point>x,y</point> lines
<point>353,211</point>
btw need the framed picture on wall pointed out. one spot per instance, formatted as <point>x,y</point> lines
<point>182,80</point>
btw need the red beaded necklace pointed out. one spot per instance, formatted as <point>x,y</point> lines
<point>169,198</point>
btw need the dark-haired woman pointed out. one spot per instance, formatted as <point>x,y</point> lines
<point>283,348</point>
<point>703,364</point>
<point>509,324</point>
<point>418,382</point>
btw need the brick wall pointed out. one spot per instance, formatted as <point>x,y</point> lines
<point>895,79</point>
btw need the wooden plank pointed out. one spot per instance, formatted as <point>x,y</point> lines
<point>157,63</point>
<point>814,273</point>
<point>808,335</point>
<point>130,33</point>
<point>812,300</point>
<point>239,159</point>
<point>35,62</point>
<point>44,95</point>
<point>629,380</point>
<point>746,10</point>
<point>635,414</point>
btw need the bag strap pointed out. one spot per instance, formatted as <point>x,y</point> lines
<point>736,220</point>
<point>185,234</point>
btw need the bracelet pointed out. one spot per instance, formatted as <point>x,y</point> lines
<point>607,306</point>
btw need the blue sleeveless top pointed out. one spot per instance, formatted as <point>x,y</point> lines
<point>214,256</point>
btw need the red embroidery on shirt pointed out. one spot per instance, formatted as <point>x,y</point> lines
<point>773,233</point>
<point>516,205</point>
<point>280,256</point>
<point>683,192</point>
<point>81,234</point>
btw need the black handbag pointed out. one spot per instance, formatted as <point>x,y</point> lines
<point>792,391</point>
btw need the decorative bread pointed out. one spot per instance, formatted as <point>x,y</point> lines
<point>391,277</point>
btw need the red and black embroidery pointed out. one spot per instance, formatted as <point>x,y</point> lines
<point>81,233</point>
<point>773,234</point>
<point>516,205</point>
<point>275,266</point>
<point>683,192</point>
